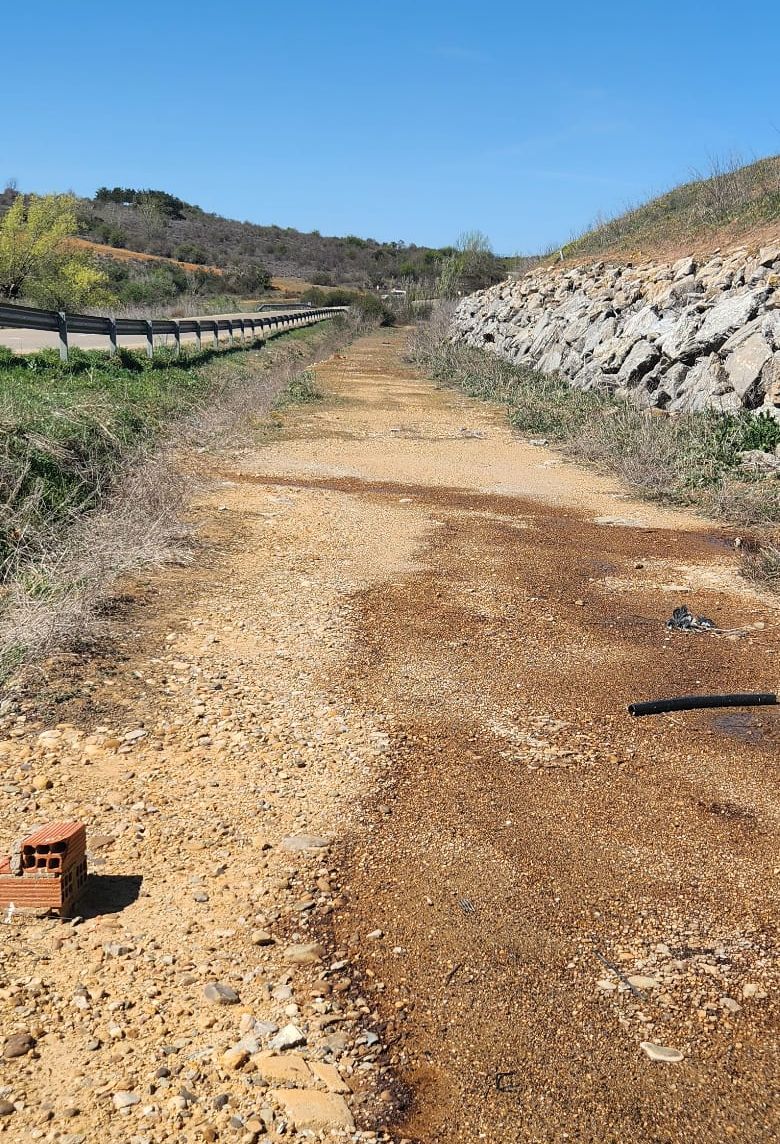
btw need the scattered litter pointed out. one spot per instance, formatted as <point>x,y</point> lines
<point>455,969</point>
<point>507,1082</point>
<point>622,522</point>
<point>619,973</point>
<point>539,443</point>
<point>45,871</point>
<point>683,620</point>
<point>467,906</point>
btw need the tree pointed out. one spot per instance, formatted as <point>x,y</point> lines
<point>471,266</point>
<point>37,256</point>
<point>249,279</point>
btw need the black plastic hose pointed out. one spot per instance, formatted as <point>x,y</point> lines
<point>692,702</point>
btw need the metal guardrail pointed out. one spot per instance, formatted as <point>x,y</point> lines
<point>53,321</point>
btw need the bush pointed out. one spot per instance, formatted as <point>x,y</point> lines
<point>687,459</point>
<point>249,280</point>
<point>370,307</point>
<point>190,252</point>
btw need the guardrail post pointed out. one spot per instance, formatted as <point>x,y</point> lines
<point>149,339</point>
<point>177,337</point>
<point>62,330</point>
<point>230,331</point>
<point>112,344</point>
<point>215,332</point>
<point>243,331</point>
<point>197,336</point>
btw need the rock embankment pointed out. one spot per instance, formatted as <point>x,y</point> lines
<point>681,336</point>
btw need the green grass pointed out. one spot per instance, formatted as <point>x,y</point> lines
<point>686,460</point>
<point>301,390</point>
<point>68,428</point>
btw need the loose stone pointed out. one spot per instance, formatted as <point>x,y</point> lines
<point>18,1045</point>
<point>124,1100</point>
<point>290,1037</point>
<point>306,954</point>
<point>644,983</point>
<point>219,993</point>
<point>661,1052</point>
<point>234,1058</point>
<point>309,1108</point>
<point>304,842</point>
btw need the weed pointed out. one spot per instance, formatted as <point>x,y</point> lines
<point>688,459</point>
<point>301,390</point>
<point>90,471</point>
<point>761,563</point>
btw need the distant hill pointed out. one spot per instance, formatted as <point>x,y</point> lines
<point>154,249</point>
<point>157,223</point>
<point>729,203</point>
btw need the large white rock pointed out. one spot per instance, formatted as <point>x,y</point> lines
<point>723,319</point>
<point>640,360</point>
<point>744,365</point>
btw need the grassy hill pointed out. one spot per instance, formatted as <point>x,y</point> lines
<point>730,203</point>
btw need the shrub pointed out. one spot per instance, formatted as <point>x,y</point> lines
<point>687,459</point>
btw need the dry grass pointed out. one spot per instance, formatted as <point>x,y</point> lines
<point>120,254</point>
<point>761,564</point>
<point>685,460</point>
<point>729,201</point>
<point>54,600</point>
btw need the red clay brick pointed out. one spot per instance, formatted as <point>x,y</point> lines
<point>54,869</point>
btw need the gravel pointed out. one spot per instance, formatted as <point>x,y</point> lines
<point>354,659</point>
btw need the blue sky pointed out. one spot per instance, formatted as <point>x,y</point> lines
<point>415,121</point>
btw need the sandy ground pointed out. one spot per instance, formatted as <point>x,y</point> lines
<point>367,765</point>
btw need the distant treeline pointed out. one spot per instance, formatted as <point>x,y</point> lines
<point>167,205</point>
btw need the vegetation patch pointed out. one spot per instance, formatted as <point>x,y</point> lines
<point>730,195</point>
<point>90,471</point>
<point>67,429</point>
<point>690,459</point>
<point>300,390</point>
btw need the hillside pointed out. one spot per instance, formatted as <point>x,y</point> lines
<point>154,222</point>
<point>732,203</point>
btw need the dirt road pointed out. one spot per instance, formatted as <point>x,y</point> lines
<point>367,764</point>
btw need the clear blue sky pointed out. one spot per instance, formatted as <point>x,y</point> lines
<point>417,120</point>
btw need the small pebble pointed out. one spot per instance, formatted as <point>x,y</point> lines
<point>661,1052</point>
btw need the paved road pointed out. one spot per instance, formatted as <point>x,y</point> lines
<point>26,341</point>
